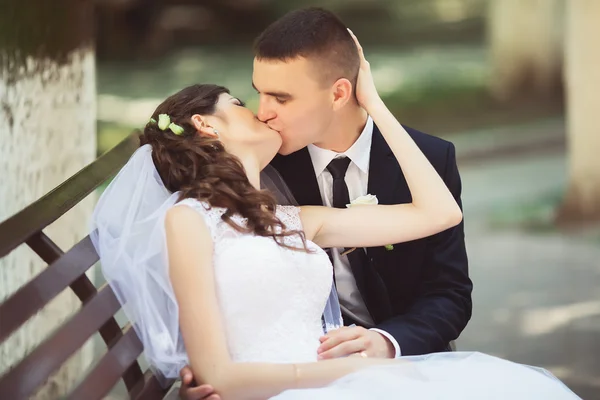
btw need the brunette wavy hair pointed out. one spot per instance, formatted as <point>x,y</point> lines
<point>199,167</point>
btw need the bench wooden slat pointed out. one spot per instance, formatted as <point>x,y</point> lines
<point>21,226</point>
<point>172,395</point>
<point>110,369</point>
<point>33,296</point>
<point>44,247</point>
<point>22,380</point>
<point>151,389</point>
<point>49,252</point>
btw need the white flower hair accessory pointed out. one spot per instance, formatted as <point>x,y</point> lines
<point>164,123</point>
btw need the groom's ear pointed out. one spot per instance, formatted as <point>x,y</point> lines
<point>201,124</point>
<point>342,93</point>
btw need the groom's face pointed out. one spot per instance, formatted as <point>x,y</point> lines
<point>293,101</point>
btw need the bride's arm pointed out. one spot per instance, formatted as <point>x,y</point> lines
<point>190,250</point>
<point>433,208</point>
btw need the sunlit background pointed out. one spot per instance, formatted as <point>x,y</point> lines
<point>488,75</point>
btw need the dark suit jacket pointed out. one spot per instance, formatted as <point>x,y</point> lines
<point>422,296</point>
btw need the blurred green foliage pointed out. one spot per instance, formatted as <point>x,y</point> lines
<point>429,58</point>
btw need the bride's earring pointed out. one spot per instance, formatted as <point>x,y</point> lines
<point>216,132</point>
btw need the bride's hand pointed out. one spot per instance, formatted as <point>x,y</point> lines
<point>366,92</point>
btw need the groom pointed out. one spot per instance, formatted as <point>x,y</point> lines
<point>412,299</point>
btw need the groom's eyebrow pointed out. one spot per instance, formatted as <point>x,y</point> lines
<point>281,95</point>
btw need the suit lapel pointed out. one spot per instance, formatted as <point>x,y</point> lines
<point>384,176</point>
<point>298,172</point>
<point>384,171</point>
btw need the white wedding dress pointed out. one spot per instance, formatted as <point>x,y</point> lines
<point>272,299</point>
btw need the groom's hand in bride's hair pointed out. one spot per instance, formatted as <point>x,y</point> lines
<point>348,341</point>
<point>189,390</point>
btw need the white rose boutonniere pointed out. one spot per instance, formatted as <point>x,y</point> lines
<point>365,200</point>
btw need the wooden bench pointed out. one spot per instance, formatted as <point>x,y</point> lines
<point>67,269</point>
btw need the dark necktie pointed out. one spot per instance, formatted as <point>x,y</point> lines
<point>337,167</point>
<point>367,280</point>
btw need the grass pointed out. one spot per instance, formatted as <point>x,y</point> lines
<point>535,215</point>
<point>111,133</point>
<point>445,109</point>
<point>439,90</point>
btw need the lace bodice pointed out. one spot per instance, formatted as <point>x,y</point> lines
<point>271,297</point>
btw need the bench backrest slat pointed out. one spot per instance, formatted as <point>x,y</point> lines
<point>110,368</point>
<point>34,369</point>
<point>151,389</point>
<point>44,247</point>
<point>34,295</point>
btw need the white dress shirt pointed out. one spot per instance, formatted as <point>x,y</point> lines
<point>357,178</point>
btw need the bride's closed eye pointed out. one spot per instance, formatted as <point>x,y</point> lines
<point>239,102</point>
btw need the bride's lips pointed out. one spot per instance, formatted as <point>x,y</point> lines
<point>273,129</point>
<point>266,124</point>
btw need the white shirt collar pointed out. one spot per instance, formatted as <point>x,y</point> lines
<point>359,153</point>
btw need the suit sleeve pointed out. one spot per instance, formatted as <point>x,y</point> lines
<point>443,304</point>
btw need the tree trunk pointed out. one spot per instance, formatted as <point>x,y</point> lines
<point>582,200</point>
<point>47,133</point>
<point>526,47</point>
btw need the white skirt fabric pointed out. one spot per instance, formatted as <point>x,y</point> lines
<point>447,376</point>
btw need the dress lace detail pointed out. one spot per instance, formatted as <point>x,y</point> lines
<point>271,297</point>
<point>290,217</point>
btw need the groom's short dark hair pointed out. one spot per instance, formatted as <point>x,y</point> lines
<point>313,33</point>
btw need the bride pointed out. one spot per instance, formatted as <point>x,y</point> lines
<point>212,273</point>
